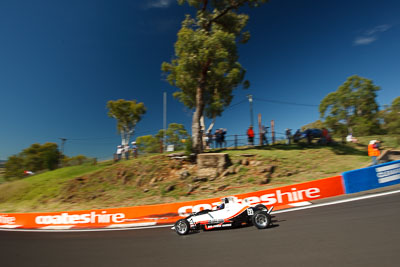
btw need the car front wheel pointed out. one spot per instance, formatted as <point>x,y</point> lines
<point>182,227</point>
<point>261,219</point>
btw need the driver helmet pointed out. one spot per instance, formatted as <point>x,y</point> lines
<point>221,206</point>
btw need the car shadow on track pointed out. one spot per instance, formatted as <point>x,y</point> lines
<point>272,225</point>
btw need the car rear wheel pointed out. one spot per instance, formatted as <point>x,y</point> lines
<point>261,219</point>
<point>182,227</point>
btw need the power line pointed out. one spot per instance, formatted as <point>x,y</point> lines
<point>109,137</point>
<point>238,103</point>
<point>284,102</point>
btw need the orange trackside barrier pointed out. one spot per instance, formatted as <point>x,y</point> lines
<point>280,198</point>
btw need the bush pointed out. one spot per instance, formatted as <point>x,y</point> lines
<point>74,161</point>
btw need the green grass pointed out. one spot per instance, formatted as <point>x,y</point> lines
<point>38,189</point>
<point>145,180</point>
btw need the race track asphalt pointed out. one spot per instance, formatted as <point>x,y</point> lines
<point>359,233</point>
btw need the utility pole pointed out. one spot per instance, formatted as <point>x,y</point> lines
<point>250,97</point>
<point>260,129</point>
<point>165,122</point>
<point>273,131</point>
<point>63,140</point>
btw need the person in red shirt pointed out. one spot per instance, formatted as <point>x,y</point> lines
<point>325,134</point>
<point>250,136</point>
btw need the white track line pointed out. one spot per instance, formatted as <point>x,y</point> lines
<point>86,230</point>
<point>300,204</point>
<point>169,225</point>
<point>131,225</point>
<point>10,226</point>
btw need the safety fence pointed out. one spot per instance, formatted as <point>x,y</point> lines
<point>240,140</point>
<point>139,216</point>
<point>373,177</point>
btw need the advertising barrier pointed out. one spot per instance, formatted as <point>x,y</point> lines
<point>139,216</point>
<point>372,177</point>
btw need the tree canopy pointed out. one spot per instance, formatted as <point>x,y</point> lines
<point>352,108</point>
<point>148,144</point>
<point>174,134</point>
<point>34,158</point>
<point>128,114</point>
<point>206,67</point>
<point>391,117</point>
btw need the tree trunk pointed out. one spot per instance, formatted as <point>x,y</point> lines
<point>197,135</point>
<point>122,137</point>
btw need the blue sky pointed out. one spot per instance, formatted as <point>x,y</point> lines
<point>61,61</point>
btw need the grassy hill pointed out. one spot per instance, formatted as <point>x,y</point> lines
<point>158,179</point>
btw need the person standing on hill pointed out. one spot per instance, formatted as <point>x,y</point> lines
<point>324,136</point>
<point>119,152</point>
<point>218,137</point>
<point>288,134</point>
<point>264,133</point>
<point>250,136</point>
<point>223,133</point>
<point>126,151</point>
<point>373,151</point>
<point>134,150</point>
<point>209,139</point>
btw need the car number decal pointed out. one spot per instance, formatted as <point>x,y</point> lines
<point>250,212</point>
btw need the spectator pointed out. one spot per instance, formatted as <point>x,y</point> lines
<point>223,133</point>
<point>126,151</point>
<point>264,133</point>
<point>119,152</point>
<point>308,136</point>
<point>350,138</point>
<point>250,136</point>
<point>218,138</point>
<point>134,150</point>
<point>288,136</point>
<point>373,151</point>
<point>324,138</point>
<point>209,139</point>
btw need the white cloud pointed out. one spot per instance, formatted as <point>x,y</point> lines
<point>159,3</point>
<point>378,29</point>
<point>371,35</point>
<point>364,40</point>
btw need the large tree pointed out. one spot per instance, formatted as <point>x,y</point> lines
<point>391,117</point>
<point>206,67</point>
<point>148,144</point>
<point>128,114</point>
<point>174,135</point>
<point>35,158</point>
<point>352,108</point>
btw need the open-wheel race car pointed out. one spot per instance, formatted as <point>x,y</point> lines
<point>230,213</point>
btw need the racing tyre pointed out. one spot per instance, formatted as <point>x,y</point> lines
<point>182,227</point>
<point>261,219</point>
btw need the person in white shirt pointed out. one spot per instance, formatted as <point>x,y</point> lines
<point>119,152</point>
